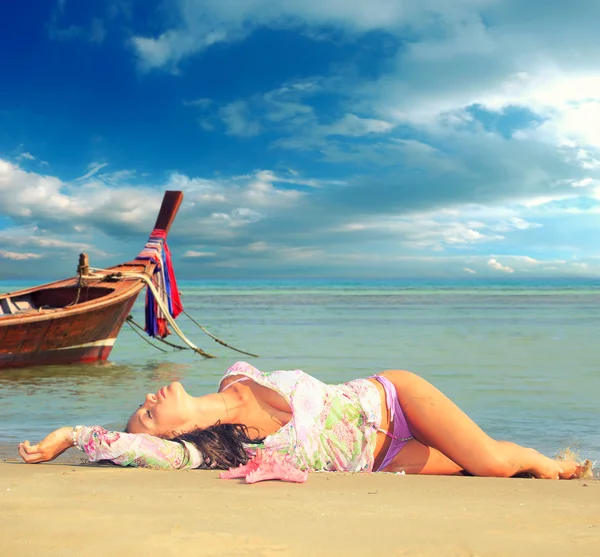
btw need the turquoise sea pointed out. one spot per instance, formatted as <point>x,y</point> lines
<point>522,359</point>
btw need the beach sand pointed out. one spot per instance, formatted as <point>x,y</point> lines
<point>72,510</point>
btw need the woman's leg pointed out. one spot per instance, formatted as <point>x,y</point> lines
<point>416,458</point>
<point>435,421</point>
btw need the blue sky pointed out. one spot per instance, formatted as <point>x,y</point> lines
<point>329,138</point>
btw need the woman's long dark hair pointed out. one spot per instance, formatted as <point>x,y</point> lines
<point>223,446</point>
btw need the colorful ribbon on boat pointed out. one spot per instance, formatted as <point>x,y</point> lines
<point>157,250</point>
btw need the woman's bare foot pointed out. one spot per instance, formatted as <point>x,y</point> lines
<point>571,469</point>
<point>550,469</point>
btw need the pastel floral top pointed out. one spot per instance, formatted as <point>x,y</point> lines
<point>333,428</point>
<point>137,449</point>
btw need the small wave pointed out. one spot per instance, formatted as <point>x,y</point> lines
<point>572,453</point>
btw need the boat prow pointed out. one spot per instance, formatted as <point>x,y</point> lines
<point>76,319</point>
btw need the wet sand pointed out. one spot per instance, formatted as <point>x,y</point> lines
<point>68,509</point>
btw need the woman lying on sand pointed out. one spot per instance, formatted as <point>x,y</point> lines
<point>391,422</point>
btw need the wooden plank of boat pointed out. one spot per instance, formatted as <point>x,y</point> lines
<point>61,323</point>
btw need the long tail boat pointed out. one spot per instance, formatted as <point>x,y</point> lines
<point>76,319</point>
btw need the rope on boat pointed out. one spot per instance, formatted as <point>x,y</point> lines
<point>218,339</point>
<point>206,332</point>
<point>133,323</point>
<point>97,274</point>
<point>161,305</point>
<point>129,321</point>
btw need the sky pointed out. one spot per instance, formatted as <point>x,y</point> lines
<point>311,138</point>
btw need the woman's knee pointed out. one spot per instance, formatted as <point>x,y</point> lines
<point>491,462</point>
<point>492,468</point>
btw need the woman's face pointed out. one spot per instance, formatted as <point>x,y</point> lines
<point>168,412</point>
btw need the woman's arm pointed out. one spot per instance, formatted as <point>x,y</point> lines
<point>131,449</point>
<point>124,449</point>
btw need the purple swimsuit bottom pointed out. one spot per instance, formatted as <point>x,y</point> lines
<point>401,433</point>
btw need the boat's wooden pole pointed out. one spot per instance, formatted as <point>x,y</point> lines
<point>168,210</point>
<point>84,265</point>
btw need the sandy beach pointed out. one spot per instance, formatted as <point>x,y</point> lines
<point>67,509</point>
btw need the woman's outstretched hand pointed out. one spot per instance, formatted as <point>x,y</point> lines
<point>49,448</point>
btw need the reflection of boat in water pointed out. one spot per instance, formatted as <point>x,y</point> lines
<point>76,319</point>
<point>23,381</point>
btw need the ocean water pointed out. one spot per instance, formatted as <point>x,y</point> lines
<point>522,359</point>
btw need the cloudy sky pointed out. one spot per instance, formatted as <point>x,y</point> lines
<point>312,138</point>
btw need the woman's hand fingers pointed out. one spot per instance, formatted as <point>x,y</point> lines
<point>49,448</point>
<point>29,448</point>
<point>30,454</point>
<point>33,453</point>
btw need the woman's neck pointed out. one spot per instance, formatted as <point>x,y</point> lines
<point>225,408</point>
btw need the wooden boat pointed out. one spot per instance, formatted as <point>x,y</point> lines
<point>76,319</point>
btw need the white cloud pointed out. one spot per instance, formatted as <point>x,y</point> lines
<point>270,177</point>
<point>191,254</point>
<point>456,55</point>
<point>49,212</point>
<point>25,156</point>
<point>46,201</point>
<point>497,266</point>
<point>15,256</point>
<point>152,52</point>
<point>201,103</point>
<point>237,217</point>
<point>19,190</point>
<point>541,200</point>
<point>298,253</point>
<point>434,230</point>
<point>470,271</point>
<point>528,260</point>
<point>206,125</point>
<point>253,222</point>
<point>203,23</point>
<point>584,183</point>
<point>238,120</point>
<point>258,190</point>
<point>353,125</point>
<point>98,31</point>
<point>514,223</point>
<point>33,239</point>
<point>258,246</point>
<point>173,45</point>
<point>94,168</point>
<point>285,110</point>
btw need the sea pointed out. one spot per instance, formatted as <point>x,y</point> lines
<point>522,359</point>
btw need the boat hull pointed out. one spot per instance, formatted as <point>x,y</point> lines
<point>67,338</point>
<point>77,320</point>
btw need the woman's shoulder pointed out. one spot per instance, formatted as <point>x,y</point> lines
<point>242,368</point>
<point>276,378</point>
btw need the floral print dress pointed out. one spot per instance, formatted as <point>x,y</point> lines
<point>333,428</point>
